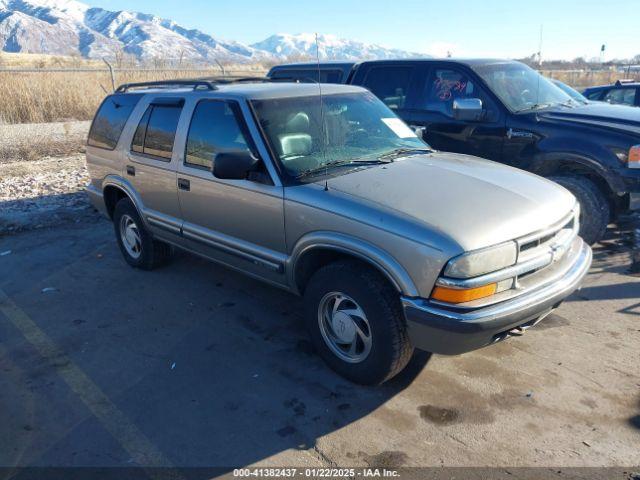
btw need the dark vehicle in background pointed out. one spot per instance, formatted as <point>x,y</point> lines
<point>572,92</point>
<point>330,72</point>
<point>505,111</point>
<point>623,92</point>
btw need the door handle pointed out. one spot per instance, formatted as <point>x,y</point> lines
<point>184,184</point>
<point>131,170</point>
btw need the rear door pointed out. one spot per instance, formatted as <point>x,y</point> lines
<point>151,163</point>
<point>433,111</point>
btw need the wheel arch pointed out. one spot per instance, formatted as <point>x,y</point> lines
<point>115,189</point>
<point>320,248</point>
<point>554,164</point>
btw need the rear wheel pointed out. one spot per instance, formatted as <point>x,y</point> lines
<point>356,324</point>
<point>595,210</point>
<point>137,245</point>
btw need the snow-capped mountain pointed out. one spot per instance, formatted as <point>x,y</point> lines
<point>285,45</point>
<point>69,27</point>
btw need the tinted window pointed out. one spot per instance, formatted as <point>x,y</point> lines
<point>111,119</point>
<point>624,96</point>
<point>445,86</point>
<point>306,75</point>
<point>390,84</point>
<point>214,129</point>
<point>157,131</point>
<point>594,95</point>
<point>138,138</point>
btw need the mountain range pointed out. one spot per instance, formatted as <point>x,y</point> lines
<point>69,27</point>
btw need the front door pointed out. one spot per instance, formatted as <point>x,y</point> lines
<point>435,115</point>
<point>236,222</point>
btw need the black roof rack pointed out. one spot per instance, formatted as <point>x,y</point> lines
<point>204,83</point>
<point>196,84</point>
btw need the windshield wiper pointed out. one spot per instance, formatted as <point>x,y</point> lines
<point>536,106</point>
<point>340,163</point>
<point>399,152</point>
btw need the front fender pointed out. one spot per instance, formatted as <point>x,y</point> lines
<point>359,248</point>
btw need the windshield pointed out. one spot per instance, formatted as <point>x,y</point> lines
<point>358,130</point>
<point>570,91</point>
<point>520,87</point>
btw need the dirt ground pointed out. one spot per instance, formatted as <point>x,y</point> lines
<point>193,365</point>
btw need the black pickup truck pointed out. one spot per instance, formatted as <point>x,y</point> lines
<point>505,111</point>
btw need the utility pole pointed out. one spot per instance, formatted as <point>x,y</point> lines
<point>540,48</point>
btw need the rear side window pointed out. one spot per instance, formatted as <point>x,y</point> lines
<point>390,84</point>
<point>623,96</point>
<point>156,131</point>
<point>110,120</point>
<point>215,127</point>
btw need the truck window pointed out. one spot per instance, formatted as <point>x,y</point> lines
<point>110,120</point>
<point>306,75</point>
<point>390,84</point>
<point>445,86</point>
<point>214,128</point>
<point>623,96</point>
<point>595,95</point>
<point>157,130</point>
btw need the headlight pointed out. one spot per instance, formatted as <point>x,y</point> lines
<point>634,157</point>
<point>482,261</point>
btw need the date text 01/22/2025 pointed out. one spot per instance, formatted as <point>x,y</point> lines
<point>315,472</point>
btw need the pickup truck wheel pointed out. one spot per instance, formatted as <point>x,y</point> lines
<point>137,245</point>
<point>356,324</point>
<point>595,211</point>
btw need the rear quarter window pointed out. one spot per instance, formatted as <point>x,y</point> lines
<point>390,84</point>
<point>110,120</point>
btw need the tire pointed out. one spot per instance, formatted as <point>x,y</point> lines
<point>130,231</point>
<point>351,285</point>
<point>595,211</point>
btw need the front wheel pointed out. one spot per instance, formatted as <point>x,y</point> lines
<point>356,324</point>
<point>595,211</point>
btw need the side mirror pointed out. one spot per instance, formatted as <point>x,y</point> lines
<point>468,109</point>
<point>419,131</point>
<point>234,165</point>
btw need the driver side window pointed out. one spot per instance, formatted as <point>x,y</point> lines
<point>214,128</point>
<point>445,86</point>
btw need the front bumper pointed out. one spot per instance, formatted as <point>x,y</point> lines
<point>440,330</point>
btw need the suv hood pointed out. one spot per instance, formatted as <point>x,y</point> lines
<point>477,203</point>
<point>615,117</point>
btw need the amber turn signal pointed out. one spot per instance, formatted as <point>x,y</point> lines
<point>455,295</point>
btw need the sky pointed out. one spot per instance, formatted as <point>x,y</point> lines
<point>510,29</point>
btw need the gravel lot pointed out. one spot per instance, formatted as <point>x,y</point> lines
<point>33,141</point>
<point>42,175</point>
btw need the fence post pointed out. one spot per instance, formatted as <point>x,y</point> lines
<point>221,67</point>
<point>113,78</point>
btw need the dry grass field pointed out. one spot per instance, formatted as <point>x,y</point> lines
<point>51,96</point>
<point>48,88</point>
